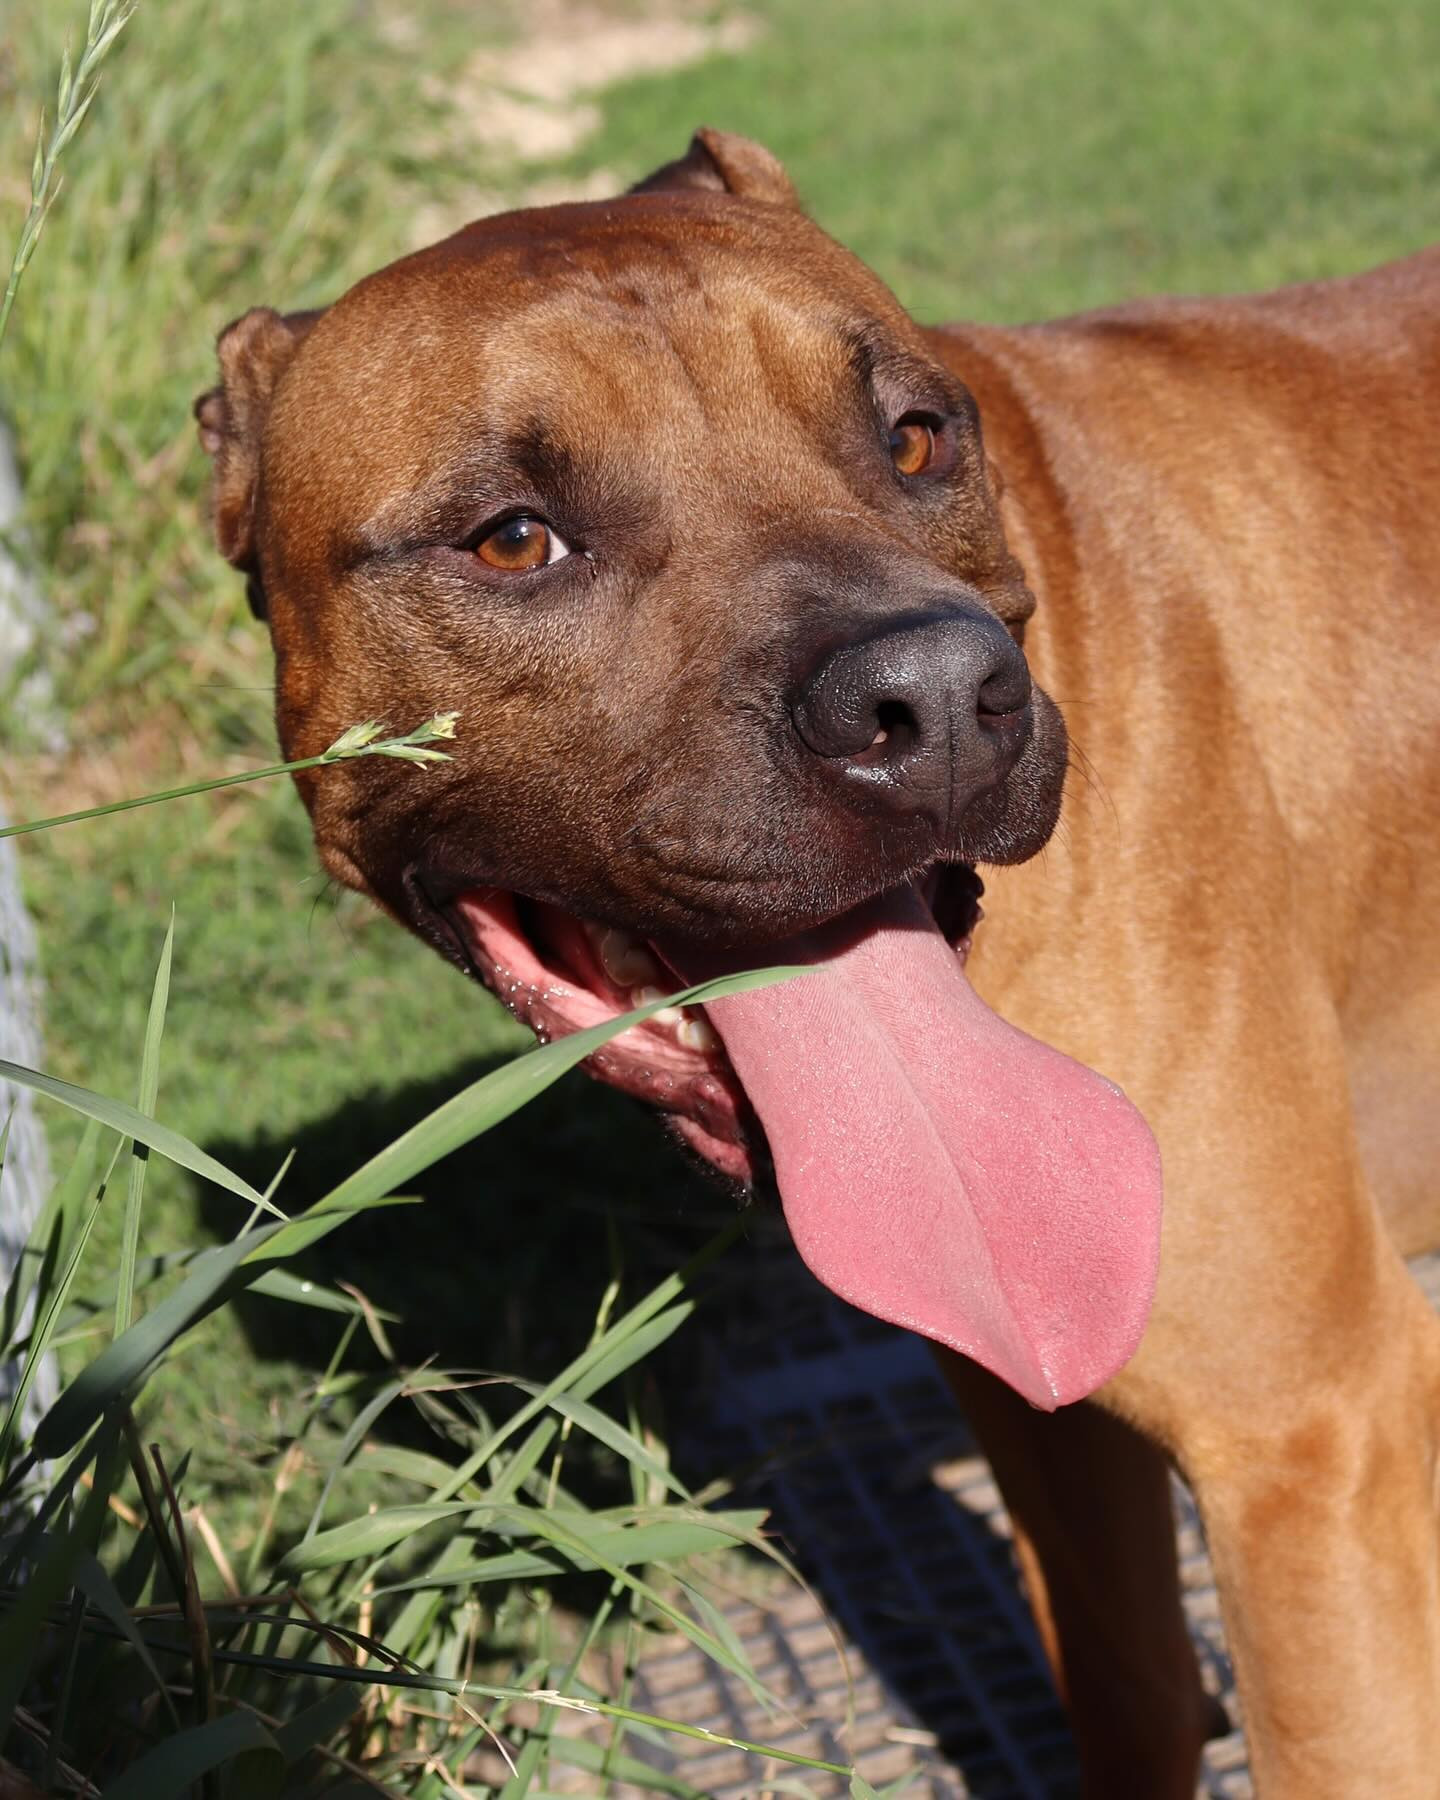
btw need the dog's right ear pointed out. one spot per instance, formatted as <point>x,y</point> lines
<point>722,163</point>
<point>254,352</point>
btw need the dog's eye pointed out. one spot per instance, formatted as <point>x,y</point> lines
<point>521,544</point>
<point>912,446</point>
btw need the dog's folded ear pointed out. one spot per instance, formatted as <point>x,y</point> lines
<point>254,352</point>
<point>722,163</point>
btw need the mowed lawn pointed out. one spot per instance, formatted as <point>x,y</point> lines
<point>1002,162</point>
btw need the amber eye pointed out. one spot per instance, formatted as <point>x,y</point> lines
<point>521,544</point>
<point>912,446</point>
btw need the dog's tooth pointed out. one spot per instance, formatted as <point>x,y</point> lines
<point>647,996</point>
<point>697,1034</point>
<point>626,960</point>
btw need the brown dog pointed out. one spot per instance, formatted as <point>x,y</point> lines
<point>693,525</point>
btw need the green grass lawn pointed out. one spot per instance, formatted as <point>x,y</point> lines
<point>1002,162</point>
<point>1013,162</point>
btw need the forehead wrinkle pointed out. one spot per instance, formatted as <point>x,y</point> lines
<point>556,350</point>
<point>513,397</point>
<point>797,363</point>
<point>760,386</point>
<point>739,357</point>
<point>686,324</point>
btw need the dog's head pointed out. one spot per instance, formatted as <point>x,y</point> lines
<point>669,499</point>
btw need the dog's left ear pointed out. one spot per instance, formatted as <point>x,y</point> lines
<point>724,164</point>
<point>254,353</point>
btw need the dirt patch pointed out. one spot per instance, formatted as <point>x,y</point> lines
<point>531,101</point>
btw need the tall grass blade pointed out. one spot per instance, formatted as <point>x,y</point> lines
<point>724,1632</point>
<point>418,1681</point>
<point>48,1317</point>
<point>22,1628</point>
<point>497,1095</point>
<point>609,1432</point>
<point>275,1284</point>
<point>145,1102</point>
<point>170,1770</point>
<point>48,1240</point>
<point>220,1273</point>
<point>371,1535</point>
<point>579,1540</point>
<point>626,1342</point>
<point>317,1724</point>
<point>355,1435</point>
<point>631,1338</point>
<point>359,740</point>
<point>132,1124</point>
<point>631,1546</point>
<point>20,1547</point>
<point>74,92</point>
<point>92,1580</point>
<point>597,1759</point>
<point>483,1104</point>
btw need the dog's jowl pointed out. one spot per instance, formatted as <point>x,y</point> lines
<point>760,604</point>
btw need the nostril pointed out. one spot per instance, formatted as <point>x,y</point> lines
<point>1004,692</point>
<point>896,727</point>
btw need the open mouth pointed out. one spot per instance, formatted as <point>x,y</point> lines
<point>560,973</point>
<point>937,1166</point>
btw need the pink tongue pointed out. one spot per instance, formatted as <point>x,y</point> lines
<point>940,1168</point>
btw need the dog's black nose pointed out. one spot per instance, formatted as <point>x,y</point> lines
<point>929,713</point>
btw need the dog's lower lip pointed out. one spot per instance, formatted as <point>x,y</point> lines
<point>545,965</point>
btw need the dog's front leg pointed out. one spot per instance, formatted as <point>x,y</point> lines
<point>1089,1500</point>
<point>1321,1519</point>
<point>1292,1367</point>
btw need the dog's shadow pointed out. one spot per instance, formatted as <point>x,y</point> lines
<point>501,1260</point>
<point>502,1266</point>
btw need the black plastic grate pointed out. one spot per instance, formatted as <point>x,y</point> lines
<point>884,1501</point>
